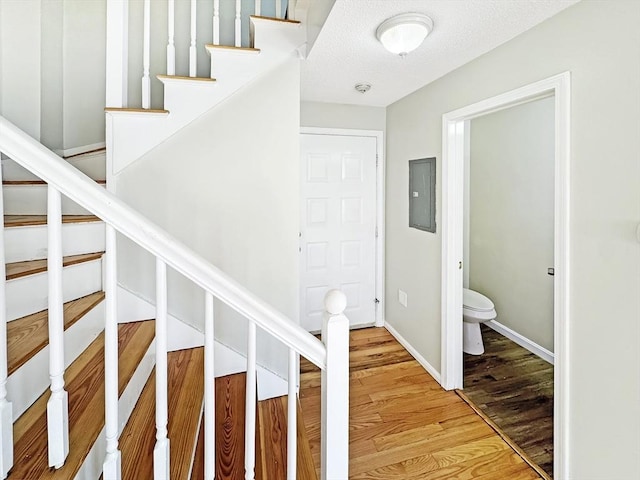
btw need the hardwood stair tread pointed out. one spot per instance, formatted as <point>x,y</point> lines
<point>31,267</point>
<point>38,182</point>
<point>85,385</point>
<point>35,220</point>
<point>276,19</point>
<point>272,421</point>
<point>28,335</point>
<point>187,79</point>
<point>186,391</point>
<point>230,408</point>
<point>89,152</point>
<point>231,48</point>
<point>136,110</point>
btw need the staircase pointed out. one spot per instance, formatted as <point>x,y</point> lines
<point>83,395</point>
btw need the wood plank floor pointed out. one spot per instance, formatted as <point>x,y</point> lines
<point>403,425</point>
<point>514,388</point>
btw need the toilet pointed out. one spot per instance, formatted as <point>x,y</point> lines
<point>476,309</point>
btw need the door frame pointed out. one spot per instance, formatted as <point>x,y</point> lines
<point>454,125</point>
<point>380,203</point>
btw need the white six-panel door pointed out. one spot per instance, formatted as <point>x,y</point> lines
<point>338,226</point>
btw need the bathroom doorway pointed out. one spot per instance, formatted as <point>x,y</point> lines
<point>455,129</point>
<point>508,258</point>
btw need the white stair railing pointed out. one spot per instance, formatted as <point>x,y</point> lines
<point>330,354</point>
<point>117,46</point>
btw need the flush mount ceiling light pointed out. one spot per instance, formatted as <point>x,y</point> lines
<point>404,33</point>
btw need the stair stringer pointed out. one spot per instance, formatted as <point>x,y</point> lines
<point>227,361</point>
<point>31,380</point>
<point>186,100</point>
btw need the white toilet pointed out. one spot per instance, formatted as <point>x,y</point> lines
<point>476,309</point>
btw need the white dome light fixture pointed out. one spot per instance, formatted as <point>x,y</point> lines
<point>404,33</point>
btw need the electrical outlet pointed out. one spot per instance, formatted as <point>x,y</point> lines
<point>402,298</point>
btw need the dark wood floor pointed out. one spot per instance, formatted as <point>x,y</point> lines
<point>403,425</point>
<point>514,388</point>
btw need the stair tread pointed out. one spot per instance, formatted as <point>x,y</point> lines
<point>36,182</point>
<point>230,408</point>
<point>272,419</point>
<point>232,48</point>
<point>33,220</point>
<point>28,335</point>
<point>186,390</point>
<point>31,267</point>
<point>182,77</point>
<point>85,384</point>
<point>276,19</point>
<point>136,110</point>
<point>89,152</point>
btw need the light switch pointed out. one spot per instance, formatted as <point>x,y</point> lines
<point>416,194</point>
<point>402,298</point>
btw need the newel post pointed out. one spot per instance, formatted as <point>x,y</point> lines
<point>335,388</point>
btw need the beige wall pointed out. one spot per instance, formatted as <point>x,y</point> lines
<point>598,42</point>
<point>511,216</point>
<point>227,186</point>
<point>337,115</point>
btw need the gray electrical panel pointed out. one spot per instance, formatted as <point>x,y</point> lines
<point>422,194</point>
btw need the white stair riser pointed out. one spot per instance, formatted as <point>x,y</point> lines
<point>91,164</point>
<point>27,295</point>
<point>27,383</point>
<point>277,36</point>
<point>30,243</point>
<point>92,466</point>
<point>32,200</point>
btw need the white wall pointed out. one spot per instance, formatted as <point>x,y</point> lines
<point>337,115</point>
<point>227,186</point>
<point>52,69</point>
<point>84,40</point>
<point>604,298</point>
<point>20,69</point>
<point>511,216</point>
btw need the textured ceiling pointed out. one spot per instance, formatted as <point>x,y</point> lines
<point>347,51</point>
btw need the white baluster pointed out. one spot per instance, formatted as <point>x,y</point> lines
<point>111,467</point>
<point>250,408</point>
<point>216,22</point>
<point>278,8</point>
<point>258,8</point>
<point>58,404</point>
<point>292,417</point>
<point>117,53</point>
<point>209,392</point>
<point>171,48</point>
<point>238,23</point>
<point>193,54</point>
<point>335,389</point>
<point>6,409</point>
<point>161,467</point>
<point>146,55</point>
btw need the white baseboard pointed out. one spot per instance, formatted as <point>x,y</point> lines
<point>414,353</point>
<point>68,152</point>
<point>132,308</point>
<point>524,342</point>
